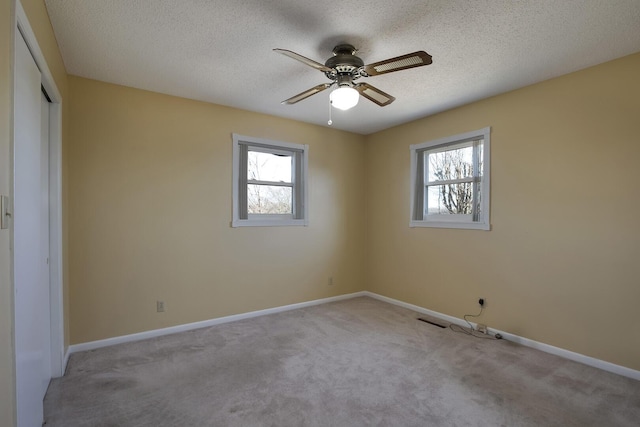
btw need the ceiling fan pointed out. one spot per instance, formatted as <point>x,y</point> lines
<point>344,68</point>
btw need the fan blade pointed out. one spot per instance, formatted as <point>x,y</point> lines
<point>374,94</point>
<point>307,93</point>
<point>303,59</point>
<point>415,59</point>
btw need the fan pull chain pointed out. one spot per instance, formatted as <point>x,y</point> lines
<point>330,122</point>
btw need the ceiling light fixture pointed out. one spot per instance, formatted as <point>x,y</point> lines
<point>344,97</point>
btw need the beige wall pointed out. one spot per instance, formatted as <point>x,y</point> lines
<point>150,212</point>
<point>39,21</point>
<point>561,263</point>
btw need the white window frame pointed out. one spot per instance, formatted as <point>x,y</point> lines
<point>300,154</point>
<point>417,216</point>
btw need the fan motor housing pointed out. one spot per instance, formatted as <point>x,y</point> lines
<point>344,60</point>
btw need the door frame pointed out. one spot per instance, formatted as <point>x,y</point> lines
<point>58,356</point>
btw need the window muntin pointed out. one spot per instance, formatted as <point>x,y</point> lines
<point>269,182</point>
<point>449,185</point>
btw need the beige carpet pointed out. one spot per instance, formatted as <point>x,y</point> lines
<point>359,362</point>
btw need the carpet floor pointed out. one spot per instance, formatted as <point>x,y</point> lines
<point>358,362</point>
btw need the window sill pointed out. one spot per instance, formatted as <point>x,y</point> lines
<point>269,223</point>
<point>449,224</point>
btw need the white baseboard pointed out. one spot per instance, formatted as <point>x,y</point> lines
<point>92,345</point>
<point>577,357</point>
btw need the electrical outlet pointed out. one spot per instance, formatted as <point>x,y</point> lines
<point>482,328</point>
<point>160,306</point>
<point>330,281</point>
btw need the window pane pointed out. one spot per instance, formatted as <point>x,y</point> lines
<point>269,167</point>
<point>449,199</point>
<point>450,164</point>
<point>269,199</point>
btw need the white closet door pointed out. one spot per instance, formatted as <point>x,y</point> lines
<point>31,241</point>
<point>44,297</point>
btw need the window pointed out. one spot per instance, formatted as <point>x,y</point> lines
<point>450,182</point>
<point>269,182</point>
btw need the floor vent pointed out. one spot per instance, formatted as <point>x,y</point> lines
<point>422,319</point>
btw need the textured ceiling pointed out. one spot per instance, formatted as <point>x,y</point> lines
<point>221,51</point>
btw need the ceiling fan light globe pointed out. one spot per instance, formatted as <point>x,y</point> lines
<point>344,98</point>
